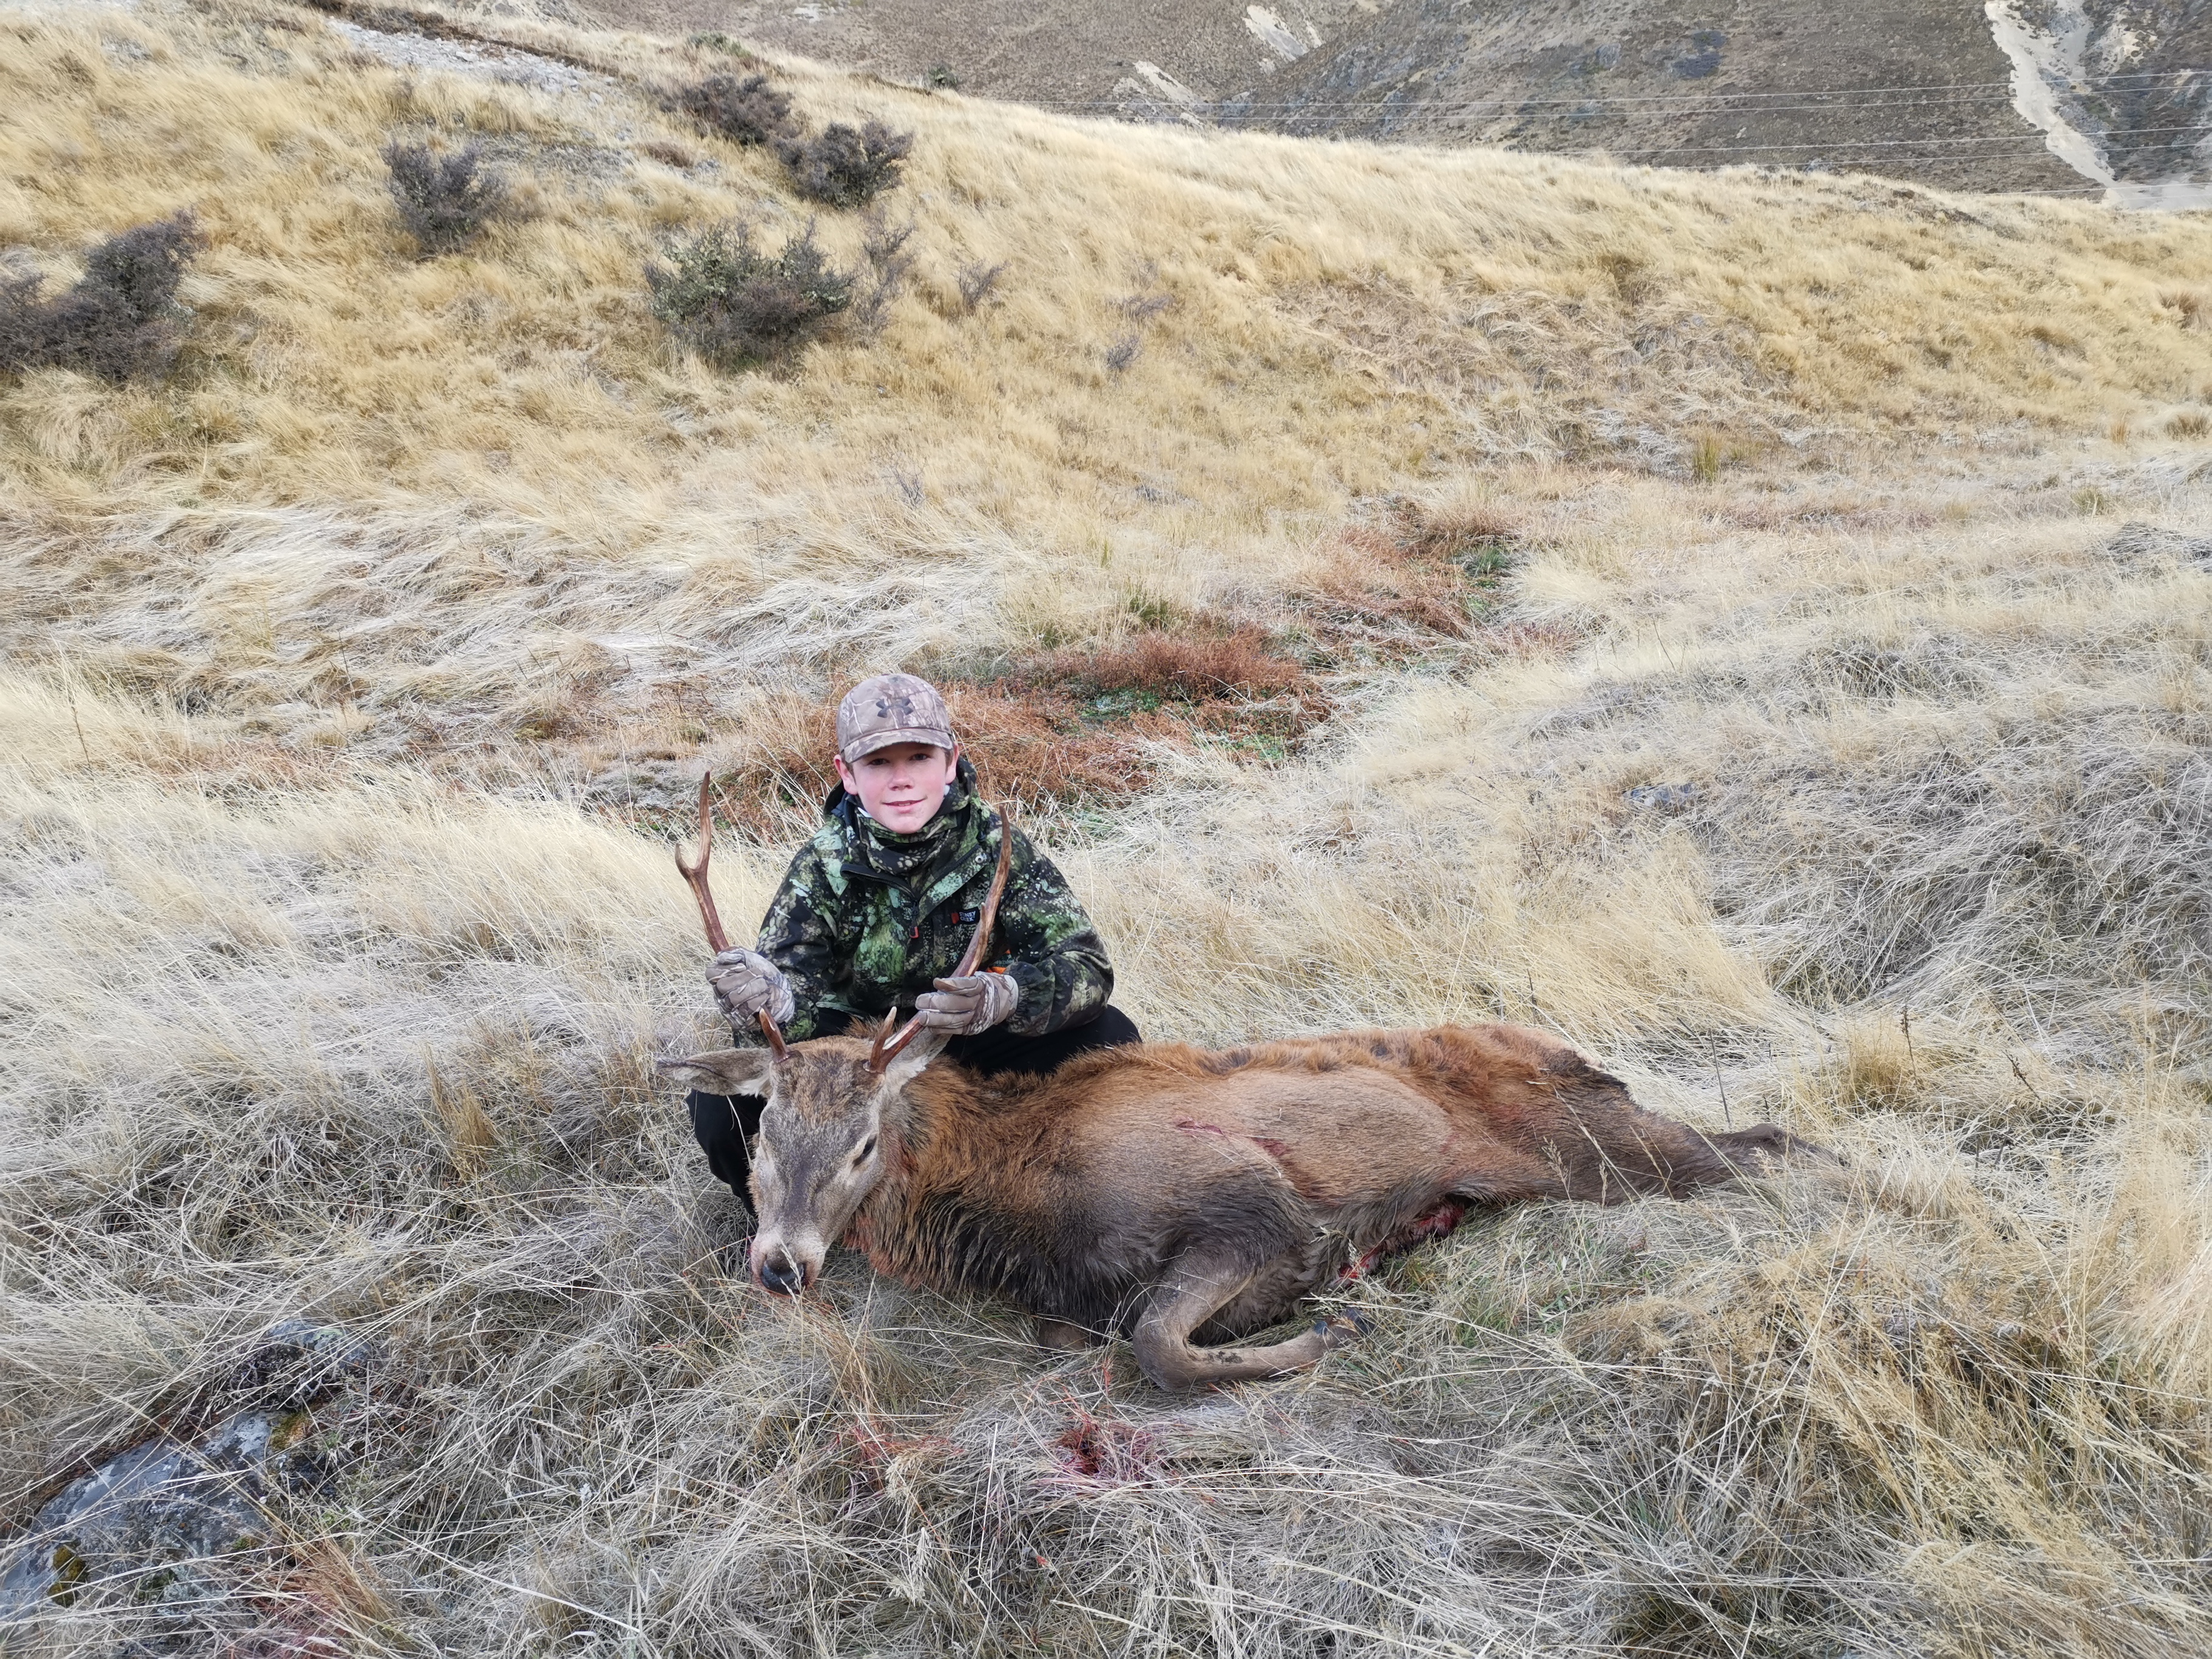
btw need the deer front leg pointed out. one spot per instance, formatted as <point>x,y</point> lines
<point>1196,1288</point>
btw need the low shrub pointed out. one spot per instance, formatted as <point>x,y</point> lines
<point>1482,542</point>
<point>737,304</point>
<point>977,282</point>
<point>445,201</point>
<point>716,40</point>
<point>883,244</point>
<point>1157,667</point>
<point>121,321</point>
<point>842,166</point>
<point>743,109</point>
<point>1432,575</point>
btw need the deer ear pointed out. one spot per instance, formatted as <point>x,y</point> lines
<point>725,1071</point>
<point>910,1061</point>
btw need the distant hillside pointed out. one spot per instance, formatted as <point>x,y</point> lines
<point>1120,58</point>
<point>2046,95</point>
<point>1915,88</point>
<point>2159,98</point>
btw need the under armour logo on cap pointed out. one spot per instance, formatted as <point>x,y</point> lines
<point>891,709</point>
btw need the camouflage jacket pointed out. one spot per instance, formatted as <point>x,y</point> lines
<point>866,919</point>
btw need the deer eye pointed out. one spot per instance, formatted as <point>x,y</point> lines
<point>865,1151</point>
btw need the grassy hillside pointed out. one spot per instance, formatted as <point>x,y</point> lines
<point>1759,628</point>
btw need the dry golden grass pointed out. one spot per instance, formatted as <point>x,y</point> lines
<point>1731,651</point>
<point>469,478</point>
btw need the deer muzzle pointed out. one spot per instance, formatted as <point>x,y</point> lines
<point>782,1269</point>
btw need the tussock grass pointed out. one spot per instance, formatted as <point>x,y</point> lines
<point>1858,779</point>
<point>353,1046</point>
<point>1345,319</point>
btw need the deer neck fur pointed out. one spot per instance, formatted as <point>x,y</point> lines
<point>967,1202</point>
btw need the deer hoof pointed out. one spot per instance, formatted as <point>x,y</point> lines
<point>1343,1328</point>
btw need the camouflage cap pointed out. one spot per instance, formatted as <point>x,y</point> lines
<point>888,710</point>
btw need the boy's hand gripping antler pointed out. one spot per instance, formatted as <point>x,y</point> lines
<point>694,876</point>
<point>887,1046</point>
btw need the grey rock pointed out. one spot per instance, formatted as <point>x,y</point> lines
<point>156,1525</point>
<point>1668,798</point>
<point>646,786</point>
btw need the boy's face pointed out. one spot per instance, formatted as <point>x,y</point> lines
<point>902,787</point>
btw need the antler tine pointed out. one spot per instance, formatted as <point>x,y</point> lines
<point>694,876</point>
<point>989,918</point>
<point>887,1050</point>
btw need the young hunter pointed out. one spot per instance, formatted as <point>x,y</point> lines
<point>877,908</point>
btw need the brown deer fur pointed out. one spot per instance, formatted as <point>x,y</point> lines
<point>1183,1197</point>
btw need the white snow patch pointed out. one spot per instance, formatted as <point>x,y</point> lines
<point>1162,84</point>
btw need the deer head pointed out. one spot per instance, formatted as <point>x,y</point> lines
<point>820,1152</point>
<point>821,1147</point>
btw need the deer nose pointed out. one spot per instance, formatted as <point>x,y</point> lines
<point>778,1272</point>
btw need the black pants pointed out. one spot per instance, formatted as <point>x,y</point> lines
<point>725,1123</point>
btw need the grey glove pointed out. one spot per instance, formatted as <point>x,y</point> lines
<point>747,984</point>
<point>963,1007</point>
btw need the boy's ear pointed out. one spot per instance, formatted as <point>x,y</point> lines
<point>723,1071</point>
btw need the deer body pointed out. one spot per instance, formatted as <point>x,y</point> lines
<point>1185,1197</point>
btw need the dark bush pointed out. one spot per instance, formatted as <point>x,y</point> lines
<point>842,166</point>
<point>882,244</point>
<point>977,281</point>
<point>744,109</point>
<point>716,40</point>
<point>736,304</point>
<point>445,201</point>
<point>1158,666</point>
<point>120,321</point>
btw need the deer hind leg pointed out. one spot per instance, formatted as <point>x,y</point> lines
<point>1196,1288</point>
<point>1767,1143</point>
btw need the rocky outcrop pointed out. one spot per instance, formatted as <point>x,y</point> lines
<point>2121,89</point>
<point>162,1526</point>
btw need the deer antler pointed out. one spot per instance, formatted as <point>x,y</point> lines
<point>887,1047</point>
<point>876,1058</point>
<point>695,876</point>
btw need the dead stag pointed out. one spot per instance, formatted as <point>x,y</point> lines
<point>1180,1197</point>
